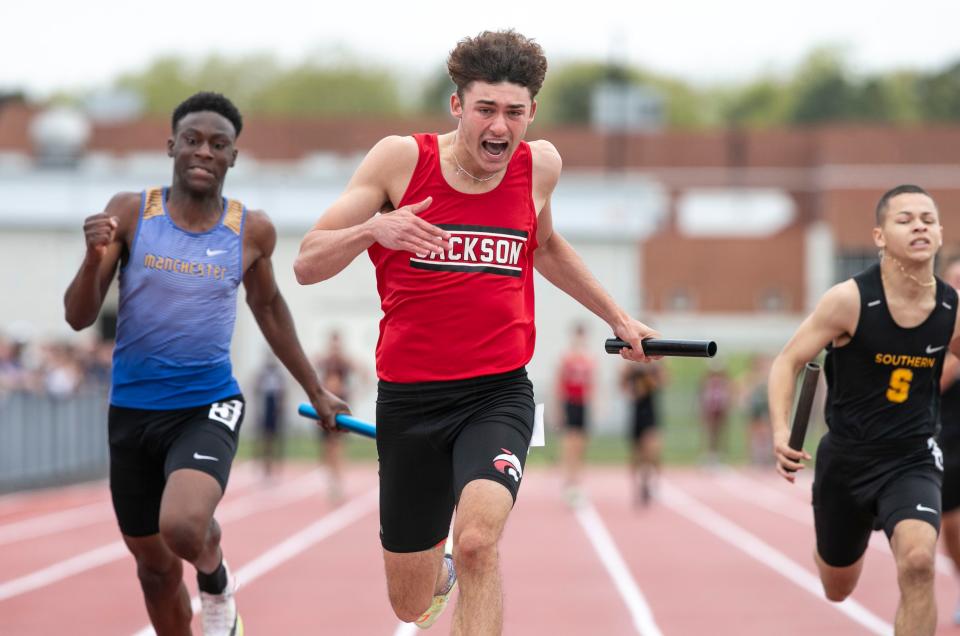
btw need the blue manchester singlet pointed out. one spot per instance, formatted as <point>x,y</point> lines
<point>178,304</point>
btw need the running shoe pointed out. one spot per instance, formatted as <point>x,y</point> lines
<point>218,612</point>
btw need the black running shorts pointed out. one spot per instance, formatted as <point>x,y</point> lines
<point>858,488</point>
<point>575,416</point>
<point>433,438</point>
<point>644,418</point>
<point>146,446</point>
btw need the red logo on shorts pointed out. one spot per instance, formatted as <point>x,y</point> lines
<point>508,464</point>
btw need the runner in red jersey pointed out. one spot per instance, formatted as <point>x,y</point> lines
<point>464,217</point>
<point>574,387</point>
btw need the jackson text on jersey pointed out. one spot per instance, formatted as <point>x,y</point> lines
<point>477,248</point>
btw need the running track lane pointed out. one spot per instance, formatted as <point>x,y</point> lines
<point>695,581</point>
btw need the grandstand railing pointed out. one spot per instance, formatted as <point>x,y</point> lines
<point>47,440</point>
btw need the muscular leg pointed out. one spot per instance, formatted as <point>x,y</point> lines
<point>649,461</point>
<point>187,525</point>
<point>914,545</point>
<point>574,443</point>
<point>838,583</point>
<point>412,580</point>
<point>161,578</point>
<point>481,516</point>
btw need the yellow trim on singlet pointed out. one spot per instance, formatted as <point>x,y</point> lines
<point>234,215</point>
<point>154,203</point>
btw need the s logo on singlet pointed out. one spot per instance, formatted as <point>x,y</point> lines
<point>478,249</point>
<point>227,413</point>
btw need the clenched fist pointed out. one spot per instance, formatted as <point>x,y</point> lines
<point>99,230</point>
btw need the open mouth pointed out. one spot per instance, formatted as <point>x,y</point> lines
<point>495,148</point>
<point>919,242</point>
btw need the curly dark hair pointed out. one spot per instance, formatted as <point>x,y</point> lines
<point>208,101</point>
<point>884,201</point>
<point>498,56</point>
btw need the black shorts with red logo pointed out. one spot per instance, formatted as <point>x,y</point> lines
<point>146,446</point>
<point>433,438</point>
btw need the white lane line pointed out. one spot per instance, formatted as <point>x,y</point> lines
<point>17,499</point>
<point>53,523</point>
<point>618,570</point>
<point>260,501</point>
<point>761,494</point>
<point>293,545</point>
<point>79,516</point>
<point>754,547</point>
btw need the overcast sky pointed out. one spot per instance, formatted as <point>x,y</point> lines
<point>47,46</point>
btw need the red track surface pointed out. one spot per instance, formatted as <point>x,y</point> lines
<point>704,557</point>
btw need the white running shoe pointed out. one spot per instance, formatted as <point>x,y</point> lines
<point>218,612</point>
<point>436,608</point>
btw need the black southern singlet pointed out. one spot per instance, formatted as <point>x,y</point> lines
<point>883,386</point>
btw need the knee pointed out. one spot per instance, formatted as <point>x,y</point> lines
<point>186,537</point>
<point>408,604</point>
<point>159,580</point>
<point>406,611</point>
<point>475,547</point>
<point>916,566</point>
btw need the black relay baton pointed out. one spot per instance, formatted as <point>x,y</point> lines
<point>801,417</point>
<point>662,347</point>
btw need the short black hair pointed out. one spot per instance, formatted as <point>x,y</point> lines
<point>894,192</point>
<point>208,101</point>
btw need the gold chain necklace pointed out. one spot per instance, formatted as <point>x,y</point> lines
<point>462,170</point>
<point>931,283</point>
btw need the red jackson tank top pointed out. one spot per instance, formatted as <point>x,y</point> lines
<point>468,311</point>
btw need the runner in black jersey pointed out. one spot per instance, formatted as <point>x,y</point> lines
<point>949,440</point>
<point>886,331</point>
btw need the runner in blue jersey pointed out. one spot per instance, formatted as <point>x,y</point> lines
<point>175,407</point>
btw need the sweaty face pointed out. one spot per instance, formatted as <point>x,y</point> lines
<point>202,149</point>
<point>911,228</point>
<point>493,121</point>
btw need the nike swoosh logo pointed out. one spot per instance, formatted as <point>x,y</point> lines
<point>934,349</point>
<point>211,252</point>
<point>923,508</point>
<point>216,459</point>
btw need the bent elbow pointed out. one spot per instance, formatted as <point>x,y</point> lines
<point>76,323</point>
<point>302,272</point>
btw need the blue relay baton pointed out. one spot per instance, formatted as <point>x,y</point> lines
<point>346,422</point>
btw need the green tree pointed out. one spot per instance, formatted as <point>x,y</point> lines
<point>316,90</point>
<point>821,90</point>
<point>567,93</point>
<point>435,99</point>
<point>763,102</point>
<point>889,98</point>
<point>939,94</point>
<point>258,84</point>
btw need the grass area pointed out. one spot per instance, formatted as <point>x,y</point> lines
<point>681,446</point>
<point>680,426</point>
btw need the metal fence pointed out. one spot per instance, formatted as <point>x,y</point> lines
<point>46,440</point>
